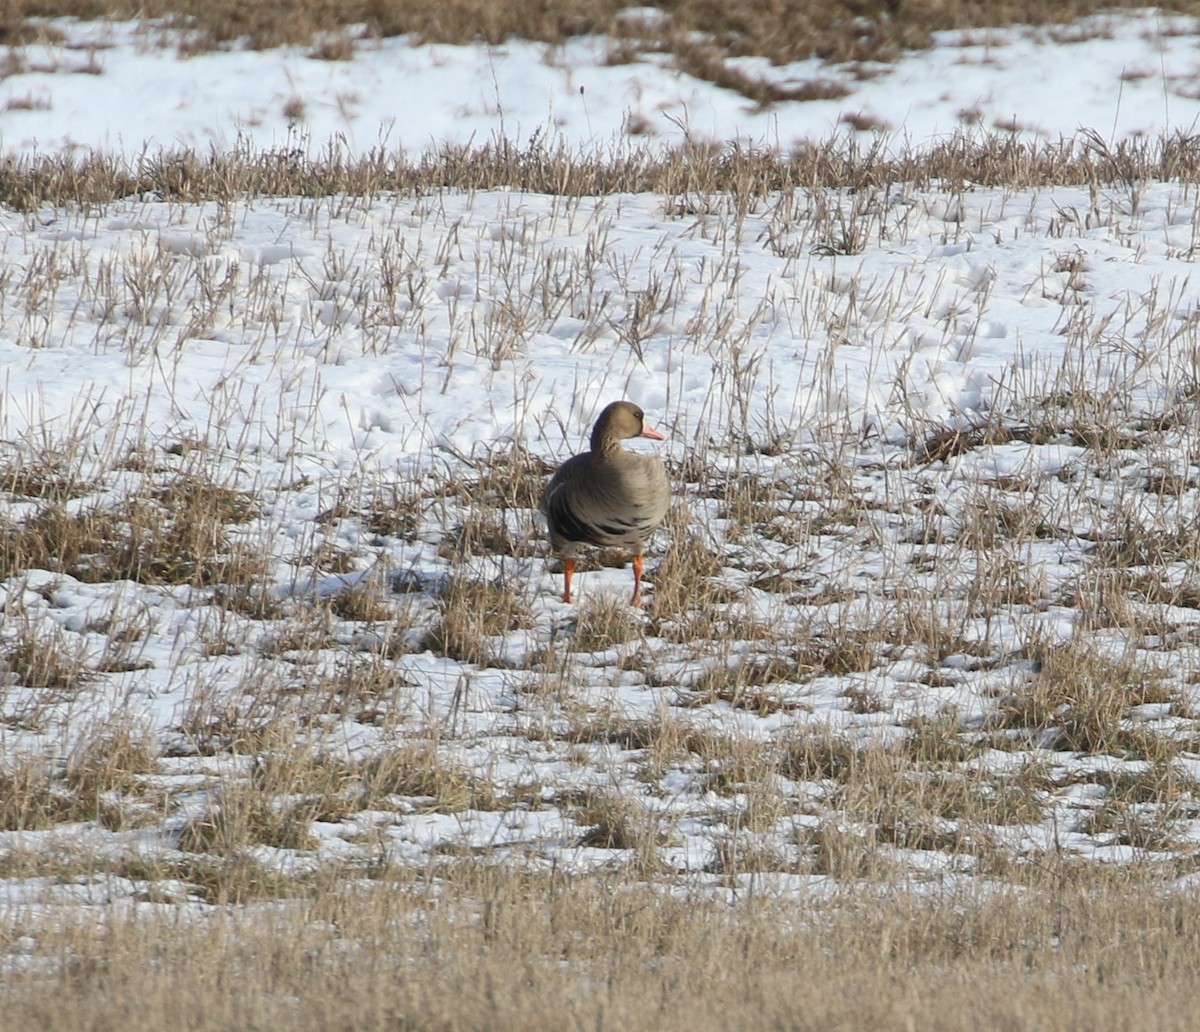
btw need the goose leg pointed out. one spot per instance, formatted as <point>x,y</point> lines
<point>568,571</point>
<point>637,581</point>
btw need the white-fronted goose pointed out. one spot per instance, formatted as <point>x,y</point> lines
<point>608,496</point>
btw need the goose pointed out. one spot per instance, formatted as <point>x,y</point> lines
<point>608,496</point>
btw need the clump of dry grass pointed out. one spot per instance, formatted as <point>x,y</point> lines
<point>841,650</point>
<point>820,754</point>
<point>1078,699</point>
<point>506,478</point>
<point>47,475</point>
<point>327,557</point>
<point>93,783</point>
<point>749,503</point>
<point>614,820</point>
<point>239,718</point>
<point>602,623</point>
<point>481,533</point>
<point>420,773</point>
<point>236,879</point>
<point>935,625</point>
<point>1162,782</point>
<point>471,614</point>
<point>292,784</point>
<point>745,685</point>
<point>361,602</point>
<point>253,601</point>
<point>944,811</point>
<point>993,522</point>
<point>339,47</point>
<point>664,740</point>
<point>940,739</point>
<point>289,785</point>
<point>240,818</point>
<point>1135,545</point>
<point>33,797</point>
<point>173,533</point>
<point>370,690</point>
<point>45,661</point>
<point>686,581</point>
<point>708,62</point>
<point>736,858</point>
<point>395,511</point>
<point>1147,809</point>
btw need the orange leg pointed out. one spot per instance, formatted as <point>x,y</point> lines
<point>568,571</point>
<point>637,581</point>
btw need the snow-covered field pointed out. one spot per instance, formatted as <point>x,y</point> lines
<point>929,589</point>
<point>121,88</point>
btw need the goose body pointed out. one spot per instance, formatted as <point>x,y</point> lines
<point>608,496</point>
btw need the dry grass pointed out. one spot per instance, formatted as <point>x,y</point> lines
<point>100,780</point>
<point>854,808</point>
<point>1108,951</point>
<point>176,532</point>
<point>471,614</point>
<point>747,685</point>
<point>836,30</point>
<point>421,771</point>
<point>45,661</point>
<point>603,623</point>
<point>854,584</point>
<point>615,821</point>
<point>1079,698</point>
<point>240,819</point>
<point>482,533</point>
<point>46,477</point>
<point>844,672</point>
<point>691,171</point>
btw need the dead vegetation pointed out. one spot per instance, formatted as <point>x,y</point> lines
<point>964,655</point>
<point>644,958</point>
<point>470,612</point>
<point>1079,699</point>
<point>692,171</point>
<point>176,532</point>
<point>840,641</point>
<point>697,36</point>
<point>921,792</point>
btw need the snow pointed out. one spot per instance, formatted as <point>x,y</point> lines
<point>1125,76</point>
<point>410,336</point>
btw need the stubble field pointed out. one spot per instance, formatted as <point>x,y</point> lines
<point>296,731</point>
